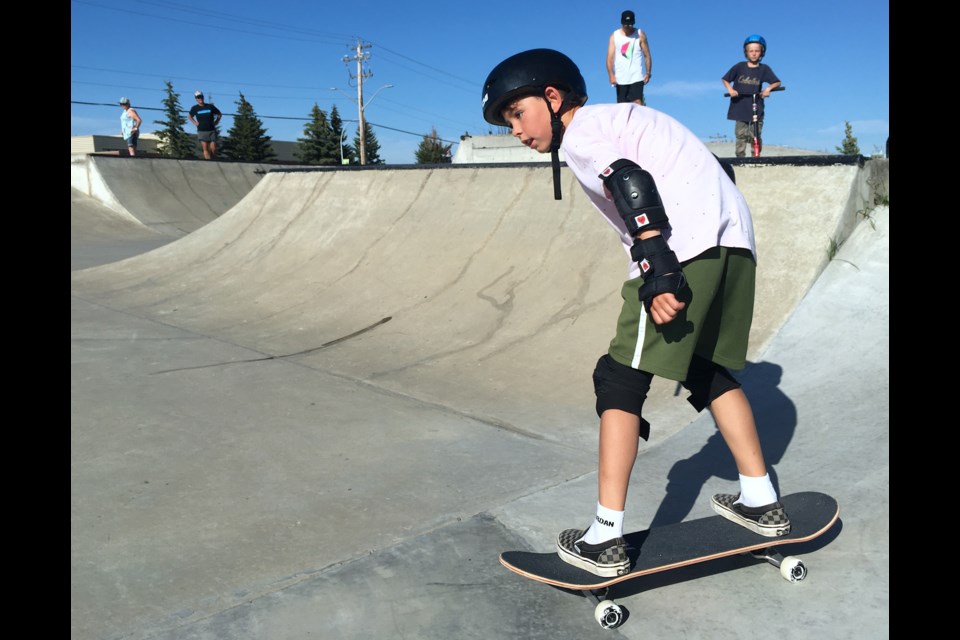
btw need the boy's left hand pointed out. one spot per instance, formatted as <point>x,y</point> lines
<point>665,307</point>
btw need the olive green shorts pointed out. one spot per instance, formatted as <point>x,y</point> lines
<point>715,324</point>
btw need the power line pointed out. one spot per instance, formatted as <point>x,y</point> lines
<point>326,39</point>
<point>200,80</point>
<point>128,88</point>
<point>470,83</point>
<point>300,118</point>
<point>163,7</point>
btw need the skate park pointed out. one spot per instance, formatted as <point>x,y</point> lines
<point>320,402</point>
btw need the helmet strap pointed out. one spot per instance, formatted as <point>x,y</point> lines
<point>556,129</point>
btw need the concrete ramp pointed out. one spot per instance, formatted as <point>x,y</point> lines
<point>92,221</point>
<point>99,234</point>
<point>324,413</point>
<point>467,287</point>
<point>173,197</point>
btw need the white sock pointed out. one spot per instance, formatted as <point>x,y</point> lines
<point>606,526</point>
<point>756,492</point>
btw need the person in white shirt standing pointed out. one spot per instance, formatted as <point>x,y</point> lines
<point>628,60</point>
<point>129,126</point>
<point>688,301</point>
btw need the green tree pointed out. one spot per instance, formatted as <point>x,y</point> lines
<point>850,146</point>
<point>432,150</point>
<point>247,140</point>
<point>336,124</point>
<point>318,146</point>
<point>371,144</point>
<point>174,141</point>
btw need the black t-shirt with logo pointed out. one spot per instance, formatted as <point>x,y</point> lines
<point>747,81</point>
<point>204,115</point>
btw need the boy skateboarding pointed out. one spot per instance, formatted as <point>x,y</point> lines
<point>688,298</point>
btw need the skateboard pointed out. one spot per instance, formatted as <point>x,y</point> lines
<point>681,544</point>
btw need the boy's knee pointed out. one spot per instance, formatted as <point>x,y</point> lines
<point>707,381</point>
<point>618,386</point>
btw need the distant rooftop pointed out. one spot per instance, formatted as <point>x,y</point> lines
<point>507,148</point>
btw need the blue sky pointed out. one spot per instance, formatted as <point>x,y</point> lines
<point>287,55</point>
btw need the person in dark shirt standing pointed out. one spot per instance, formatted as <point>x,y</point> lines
<point>205,116</point>
<point>742,82</point>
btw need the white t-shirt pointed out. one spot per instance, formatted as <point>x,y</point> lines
<point>628,63</point>
<point>704,207</point>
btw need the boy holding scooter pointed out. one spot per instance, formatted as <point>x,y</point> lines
<point>744,82</point>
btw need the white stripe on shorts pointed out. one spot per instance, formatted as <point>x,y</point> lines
<point>641,329</point>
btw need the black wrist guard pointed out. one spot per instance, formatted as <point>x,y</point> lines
<point>659,268</point>
<point>655,257</point>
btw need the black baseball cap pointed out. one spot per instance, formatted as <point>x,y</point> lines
<point>627,17</point>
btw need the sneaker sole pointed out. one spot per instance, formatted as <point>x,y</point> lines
<point>606,571</point>
<point>769,532</point>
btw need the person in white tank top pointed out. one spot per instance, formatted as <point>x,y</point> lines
<point>628,60</point>
<point>129,126</point>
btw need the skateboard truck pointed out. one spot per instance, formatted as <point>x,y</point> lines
<point>792,569</point>
<point>609,614</point>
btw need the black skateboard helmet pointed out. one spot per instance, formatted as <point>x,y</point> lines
<point>530,72</point>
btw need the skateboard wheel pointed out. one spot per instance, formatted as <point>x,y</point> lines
<point>608,614</point>
<point>793,569</point>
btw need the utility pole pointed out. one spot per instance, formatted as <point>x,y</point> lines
<point>360,57</point>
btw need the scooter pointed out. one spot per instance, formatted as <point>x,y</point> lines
<point>757,143</point>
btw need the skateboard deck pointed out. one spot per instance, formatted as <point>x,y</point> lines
<point>685,543</point>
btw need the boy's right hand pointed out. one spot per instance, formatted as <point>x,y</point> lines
<point>665,307</point>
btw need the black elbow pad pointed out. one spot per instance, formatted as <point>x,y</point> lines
<point>635,194</point>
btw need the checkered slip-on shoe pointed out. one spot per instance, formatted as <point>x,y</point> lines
<point>607,559</point>
<point>769,520</point>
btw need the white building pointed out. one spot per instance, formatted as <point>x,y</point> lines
<point>502,148</point>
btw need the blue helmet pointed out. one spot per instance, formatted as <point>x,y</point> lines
<point>759,39</point>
